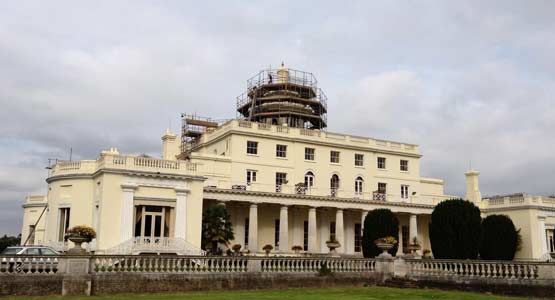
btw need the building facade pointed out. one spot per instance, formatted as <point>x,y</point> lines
<point>284,179</point>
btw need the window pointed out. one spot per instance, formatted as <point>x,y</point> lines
<point>404,191</point>
<point>281,150</point>
<point>31,235</point>
<point>309,180</point>
<point>332,231</point>
<point>246,239</point>
<point>359,160</point>
<point>334,157</point>
<point>251,176</point>
<point>405,238</point>
<point>281,179</point>
<point>381,162</point>
<point>404,165</point>
<point>276,234</point>
<point>382,188</point>
<point>63,223</point>
<point>305,236</point>
<point>358,237</point>
<point>358,185</point>
<point>334,185</point>
<point>252,147</point>
<point>309,153</point>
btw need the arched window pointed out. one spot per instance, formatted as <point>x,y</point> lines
<point>358,186</point>
<point>309,179</point>
<point>334,185</point>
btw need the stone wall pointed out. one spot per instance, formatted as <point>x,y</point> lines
<point>171,283</point>
<point>31,285</point>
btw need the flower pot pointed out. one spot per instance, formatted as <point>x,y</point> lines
<point>384,247</point>
<point>332,246</point>
<point>77,240</point>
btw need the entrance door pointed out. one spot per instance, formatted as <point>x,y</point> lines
<point>152,222</point>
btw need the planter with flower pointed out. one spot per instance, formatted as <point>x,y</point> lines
<point>267,248</point>
<point>297,249</point>
<point>236,249</point>
<point>332,245</point>
<point>414,246</point>
<point>78,235</point>
<point>385,244</point>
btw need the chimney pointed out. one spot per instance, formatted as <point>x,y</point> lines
<point>472,187</point>
<point>170,145</point>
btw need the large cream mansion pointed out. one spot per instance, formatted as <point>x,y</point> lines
<point>285,180</point>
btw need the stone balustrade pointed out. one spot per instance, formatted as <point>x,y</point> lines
<point>134,273</point>
<point>226,264</point>
<point>124,162</point>
<point>25,265</point>
<point>316,135</point>
<point>474,269</point>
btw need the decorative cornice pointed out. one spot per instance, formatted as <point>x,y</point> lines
<point>307,141</point>
<point>33,205</point>
<point>124,172</point>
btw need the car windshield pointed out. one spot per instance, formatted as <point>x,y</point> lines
<point>9,251</point>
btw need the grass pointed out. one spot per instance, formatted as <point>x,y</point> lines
<point>359,293</point>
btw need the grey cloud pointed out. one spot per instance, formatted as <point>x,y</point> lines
<point>466,81</point>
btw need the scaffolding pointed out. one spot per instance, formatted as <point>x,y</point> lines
<point>192,128</point>
<point>285,97</point>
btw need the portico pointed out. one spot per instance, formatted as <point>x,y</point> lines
<point>260,220</point>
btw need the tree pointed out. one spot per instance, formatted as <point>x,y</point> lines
<point>456,230</point>
<point>7,241</point>
<point>216,227</point>
<point>501,238</point>
<point>379,223</point>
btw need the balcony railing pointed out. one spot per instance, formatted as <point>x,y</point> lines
<point>379,196</point>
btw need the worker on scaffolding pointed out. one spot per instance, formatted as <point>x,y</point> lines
<point>270,78</point>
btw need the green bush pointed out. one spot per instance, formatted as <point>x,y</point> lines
<point>379,223</point>
<point>456,230</point>
<point>501,238</point>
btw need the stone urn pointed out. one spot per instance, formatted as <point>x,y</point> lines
<point>77,240</point>
<point>384,247</point>
<point>332,245</point>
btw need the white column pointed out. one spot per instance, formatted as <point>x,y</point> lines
<point>253,228</point>
<point>362,218</point>
<point>283,230</point>
<point>126,224</point>
<point>312,233</point>
<point>543,239</point>
<point>413,228</point>
<point>340,231</point>
<point>297,227</point>
<point>180,230</point>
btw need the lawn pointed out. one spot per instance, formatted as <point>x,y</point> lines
<point>361,293</point>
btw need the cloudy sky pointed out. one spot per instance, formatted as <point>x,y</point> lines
<point>472,81</point>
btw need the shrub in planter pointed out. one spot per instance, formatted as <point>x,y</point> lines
<point>379,223</point>
<point>82,231</point>
<point>297,248</point>
<point>501,238</point>
<point>236,248</point>
<point>268,248</point>
<point>456,230</point>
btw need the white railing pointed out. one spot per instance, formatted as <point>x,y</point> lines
<point>173,264</point>
<point>17,264</point>
<point>157,245</point>
<point>227,264</point>
<point>474,269</point>
<point>295,264</point>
